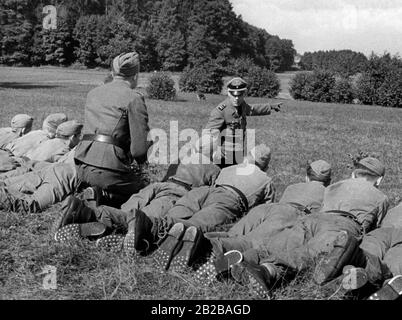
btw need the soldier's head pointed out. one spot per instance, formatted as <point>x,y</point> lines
<point>260,155</point>
<point>371,169</point>
<point>70,130</point>
<point>21,124</point>
<point>237,90</point>
<point>126,66</point>
<point>320,171</point>
<point>51,123</point>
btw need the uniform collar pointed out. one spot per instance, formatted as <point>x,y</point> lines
<point>121,81</point>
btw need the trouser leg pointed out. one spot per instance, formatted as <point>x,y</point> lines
<point>221,207</point>
<point>189,204</point>
<point>118,186</point>
<point>111,217</point>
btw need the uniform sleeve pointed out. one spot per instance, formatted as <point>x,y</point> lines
<point>269,193</point>
<point>216,120</point>
<point>214,175</point>
<point>260,109</point>
<point>383,209</point>
<point>139,129</point>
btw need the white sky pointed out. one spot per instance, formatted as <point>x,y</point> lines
<point>359,25</point>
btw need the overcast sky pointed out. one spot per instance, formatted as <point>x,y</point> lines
<point>359,25</point>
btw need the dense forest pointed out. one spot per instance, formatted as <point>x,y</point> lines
<point>169,34</point>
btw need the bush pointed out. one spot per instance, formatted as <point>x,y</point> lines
<point>390,92</point>
<point>377,71</point>
<point>342,92</point>
<point>299,86</point>
<point>316,86</point>
<point>262,83</point>
<point>205,78</point>
<point>161,87</point>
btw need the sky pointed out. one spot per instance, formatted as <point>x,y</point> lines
<point>312,25</point>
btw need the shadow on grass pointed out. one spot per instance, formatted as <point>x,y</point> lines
<point>25,85</point>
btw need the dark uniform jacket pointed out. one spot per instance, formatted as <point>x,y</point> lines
<point>226,118</point>
<point>115,110</point>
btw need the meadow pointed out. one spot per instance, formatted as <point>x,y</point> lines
<point>302,131</point>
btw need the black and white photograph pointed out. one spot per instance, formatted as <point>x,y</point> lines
<point>201,158</point>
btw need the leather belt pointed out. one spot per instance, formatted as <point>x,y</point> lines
<point>105,139</point>
<point>180,183</point>
<point>243,199</point>
<point>346,215</point>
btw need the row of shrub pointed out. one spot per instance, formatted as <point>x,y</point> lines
<point>207,78</point>
<point>380,83</point>
<point>321,86</point>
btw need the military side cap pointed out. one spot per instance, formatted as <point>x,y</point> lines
<point>126,64</point>
<point>21,121</point>
<point>69,128</point>
<point>53,120</point>
<point>237,84</point>
<point>374,165</point>
<point>322,169</point>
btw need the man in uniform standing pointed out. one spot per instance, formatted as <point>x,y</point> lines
<point>114,144</point>
<point>229,120</point>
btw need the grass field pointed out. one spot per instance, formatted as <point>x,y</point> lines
<point>302,131</point>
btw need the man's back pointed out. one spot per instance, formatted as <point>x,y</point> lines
<point>358,197</point>
<point>30,141</point>
<point>196,175</point>
<point>50,150</point>
<point>394,217</point>
<point>308,194</point>
<point>250,180</point>
<point>7,137</point>
<point>117,111</point>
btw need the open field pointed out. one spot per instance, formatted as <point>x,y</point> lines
<point>302,131</point>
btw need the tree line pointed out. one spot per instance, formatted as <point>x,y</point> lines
<point>342,62</point>
<point>170,35</point>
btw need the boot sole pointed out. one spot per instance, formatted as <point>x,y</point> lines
<point>129,243</point>
<point>354,278</point>
<point>78,231</point>
<point>164,254</point>
<point>210,270</point>
<point>113,243</point>
<point>390,291</point>
<point>256,288</point>
<point>182,260</point>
